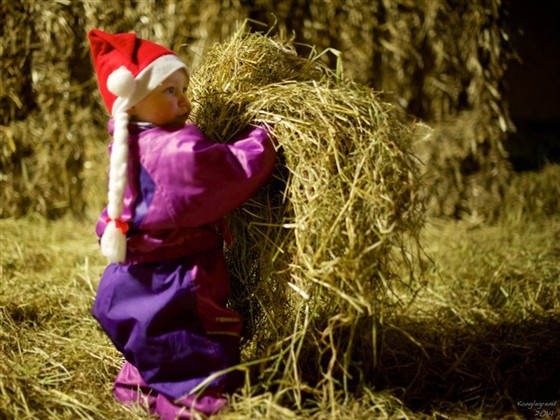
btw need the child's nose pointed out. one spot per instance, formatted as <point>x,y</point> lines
<point>183,100</point>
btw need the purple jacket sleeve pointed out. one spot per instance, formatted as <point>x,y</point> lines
<point>199,181</point>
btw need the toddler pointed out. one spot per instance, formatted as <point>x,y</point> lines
<point>163,299</point>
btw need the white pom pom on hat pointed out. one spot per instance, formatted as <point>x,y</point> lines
<point>121,82</point>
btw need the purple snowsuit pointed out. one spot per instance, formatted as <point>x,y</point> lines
<point>165,307</point>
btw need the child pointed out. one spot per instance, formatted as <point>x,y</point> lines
<point>162,300</point>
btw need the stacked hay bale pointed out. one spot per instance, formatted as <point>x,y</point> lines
<point>184,26</point>
<point>53,121</point>
<point>319,252</point>
<point>44,123</point>
<point>460,95</point>
<point>466,171</point>
<point>533,195</point>
<point>441,61</point>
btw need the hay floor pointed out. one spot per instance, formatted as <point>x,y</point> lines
<point>481,339</point>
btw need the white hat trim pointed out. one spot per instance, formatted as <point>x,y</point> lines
<point>147,80</point>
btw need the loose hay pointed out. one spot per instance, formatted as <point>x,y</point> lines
<point>319,251</point>
<point>56,362</point>
<point>466,348</point>
<point>532,195</point>
<point>55,357</point>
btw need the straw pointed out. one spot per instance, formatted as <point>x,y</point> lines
<point>316,252</point>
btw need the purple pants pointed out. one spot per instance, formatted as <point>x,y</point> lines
<point>170,321</point>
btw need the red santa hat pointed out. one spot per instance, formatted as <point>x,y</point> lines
<point>128,69</point>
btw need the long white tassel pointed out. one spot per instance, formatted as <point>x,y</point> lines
<point>113,241</point>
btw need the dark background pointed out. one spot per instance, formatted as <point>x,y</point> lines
<point>533,84</point>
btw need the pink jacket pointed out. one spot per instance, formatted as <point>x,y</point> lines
<point>181,184</point>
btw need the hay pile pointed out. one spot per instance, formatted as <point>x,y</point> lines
<point>56,361</point>
<point>445,62</point>
<point>436,60</point>
<point>44,125</point>
<point>466,174</point>
<point>319,251</point>
<point>476,356</point>
<point>53,122</point>
<point>532,195</point>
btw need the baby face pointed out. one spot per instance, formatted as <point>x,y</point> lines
<point>167,104</point>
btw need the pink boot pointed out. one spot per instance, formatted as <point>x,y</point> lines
<point>130,388</point>
<point>189,407</point>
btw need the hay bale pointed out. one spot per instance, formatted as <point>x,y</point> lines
<point>44,125</point>
<point>53,132</point>
<point>532,195</point>
<point>16,97</point>
<point>319,250</point>
<point>226,84</point>
<point>184,26</point>
<point>465,173</point>
<point>435,60</point>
